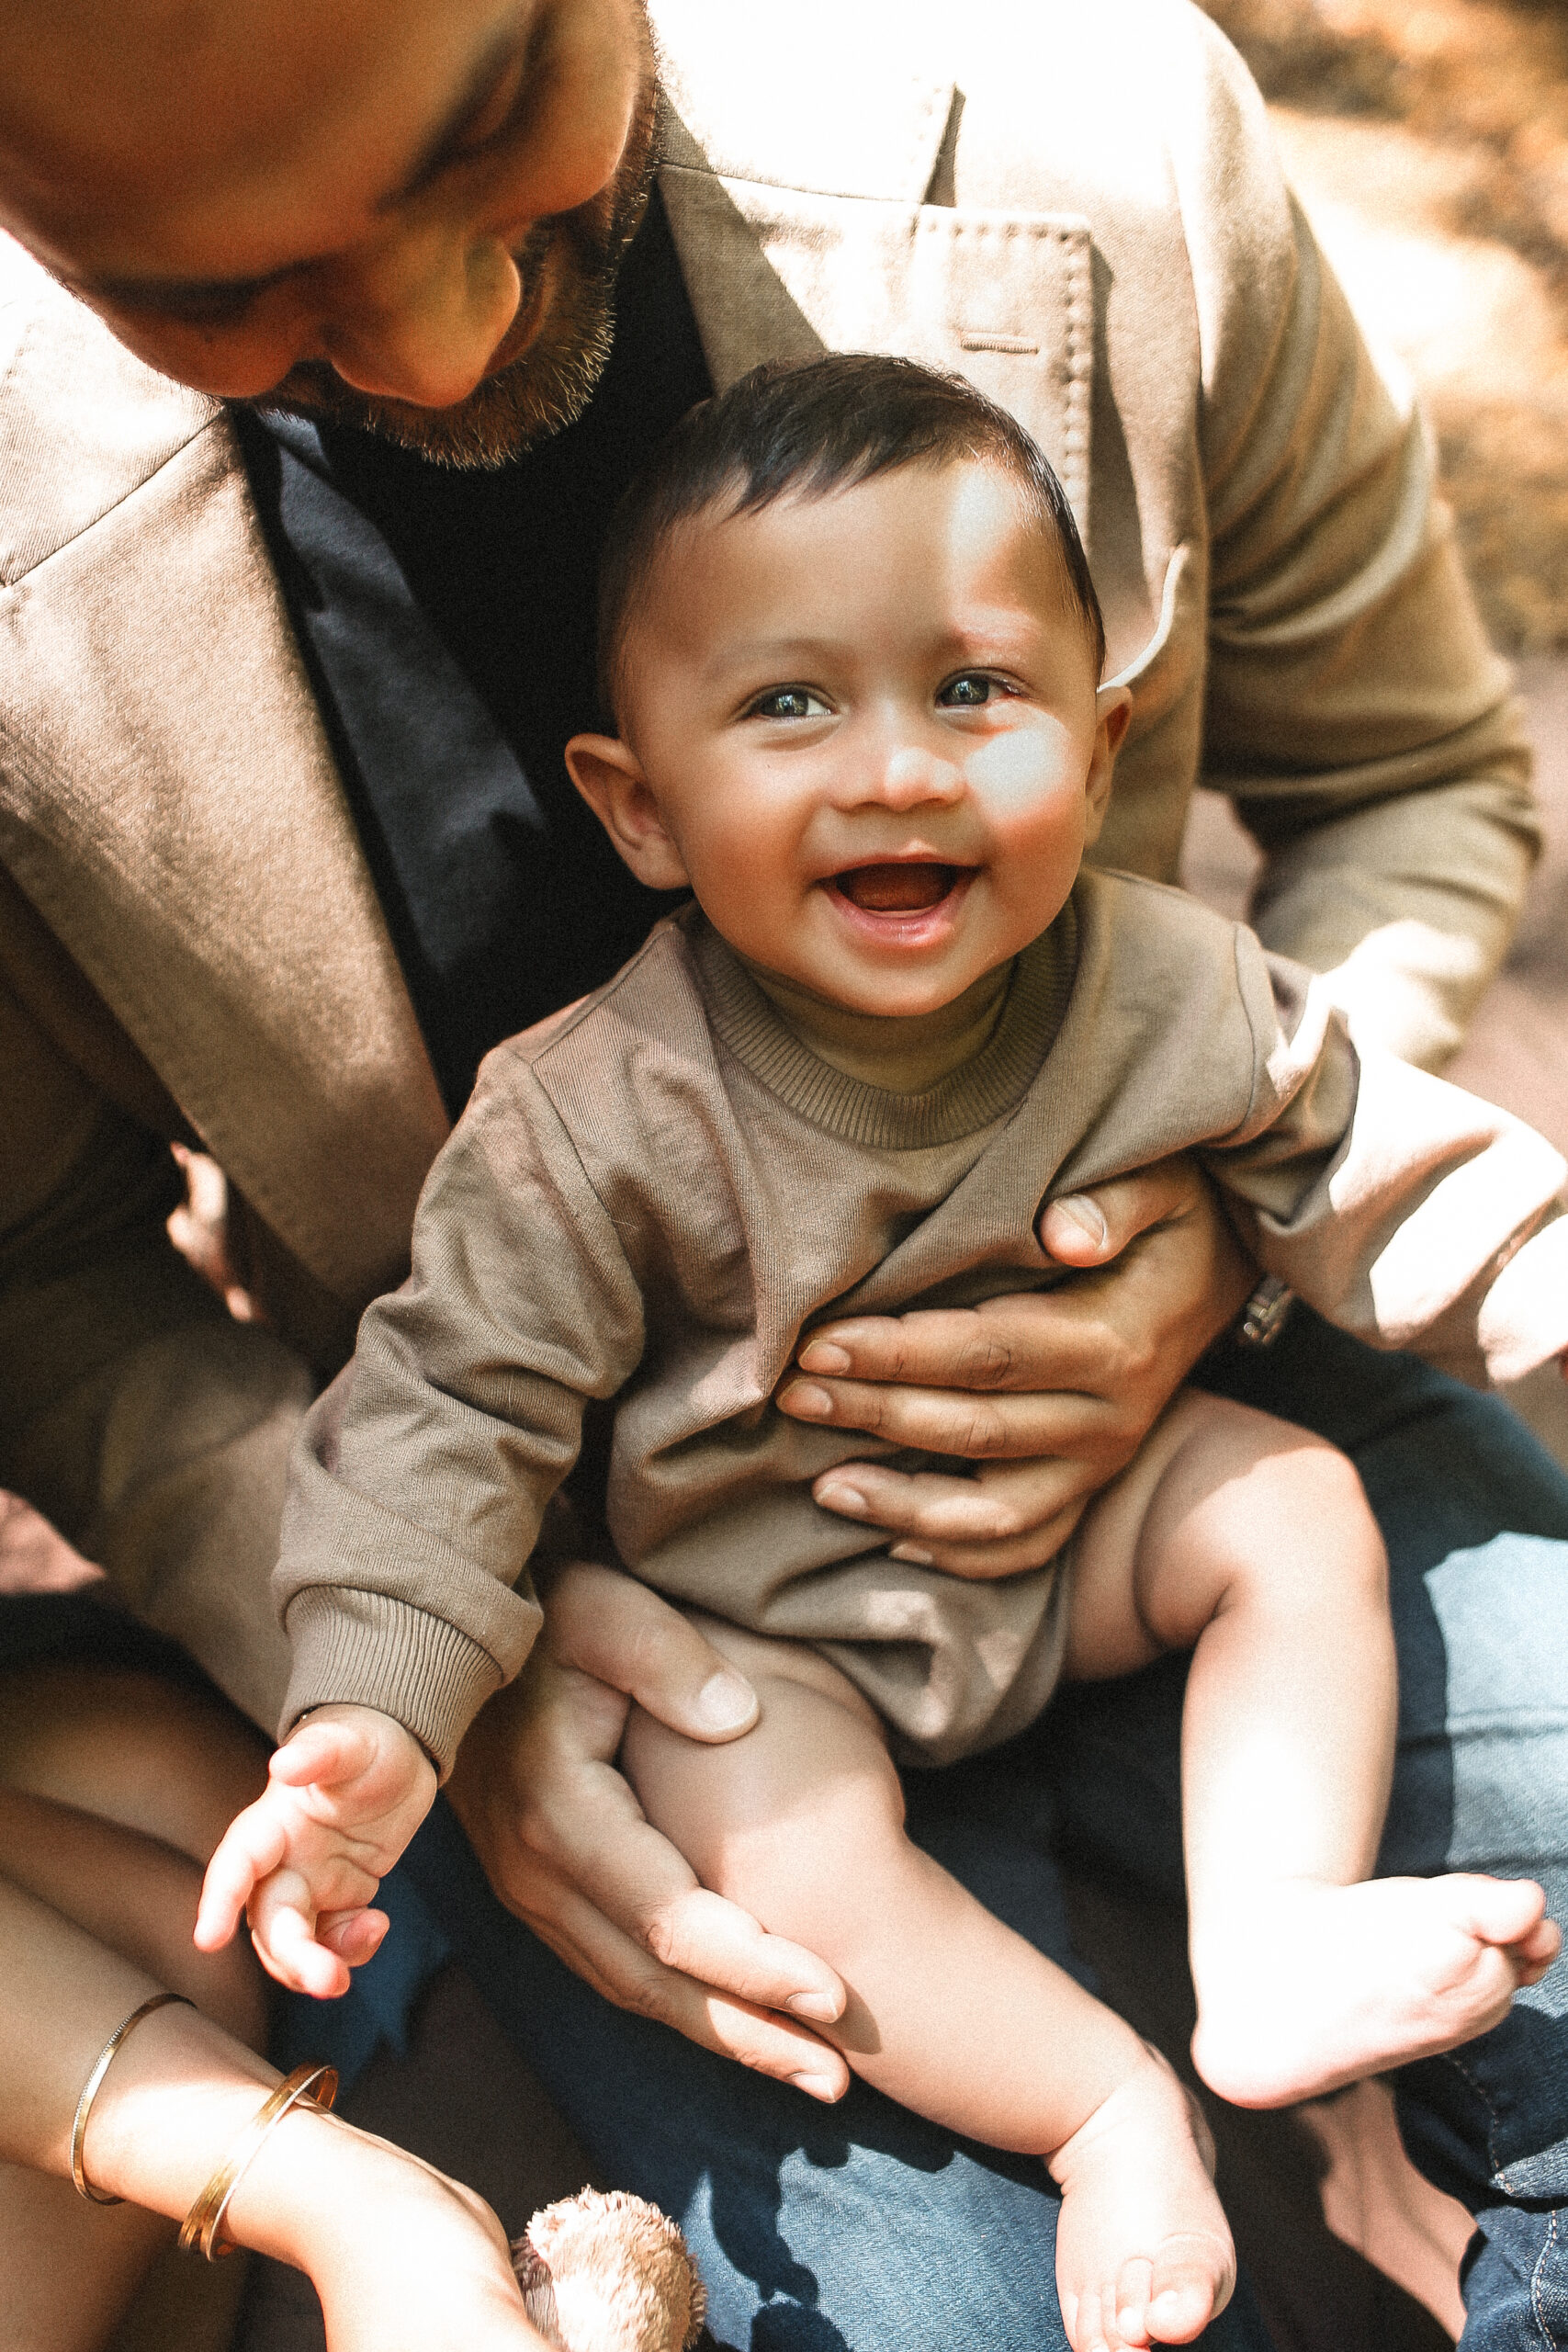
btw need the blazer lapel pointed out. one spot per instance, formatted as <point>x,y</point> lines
<point>169,802</point>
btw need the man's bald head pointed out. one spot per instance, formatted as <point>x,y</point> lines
<point>376,208</point>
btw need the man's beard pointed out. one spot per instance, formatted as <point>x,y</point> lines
<point>551,383</point>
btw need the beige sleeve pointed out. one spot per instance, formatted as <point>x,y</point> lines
<point>1355,712</point>
<point>148,1425</point>
<point>1399,1207</point>
<point>422,1475</point>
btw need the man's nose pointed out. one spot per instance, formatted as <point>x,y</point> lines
<point>418,317</point>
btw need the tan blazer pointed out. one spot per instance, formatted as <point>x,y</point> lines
<point>1079,209</point>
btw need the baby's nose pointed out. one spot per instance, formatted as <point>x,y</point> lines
<point>913,775</point>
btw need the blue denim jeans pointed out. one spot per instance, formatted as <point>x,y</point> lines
<point>860,2228</point>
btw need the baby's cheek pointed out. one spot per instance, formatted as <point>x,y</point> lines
<point>1026,770</point>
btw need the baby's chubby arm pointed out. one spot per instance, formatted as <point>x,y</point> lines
<point>346,1792</point>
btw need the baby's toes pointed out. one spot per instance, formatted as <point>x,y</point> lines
<point>1503,1911</point>
<point>1191,2280</point>
<point>1534,1954</point>
<point>1483,1995</point>
<point>1084,2324</point>
<point>1132,2300</point>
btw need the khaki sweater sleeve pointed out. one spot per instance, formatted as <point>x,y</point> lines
<point>422,1474</point>
<point>1355,712</point>
<point>1402,1209</point>
<point>152,1429</point>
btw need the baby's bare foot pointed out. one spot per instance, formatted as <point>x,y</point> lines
<point>1316,1985</point>
<point>1143,2252</point>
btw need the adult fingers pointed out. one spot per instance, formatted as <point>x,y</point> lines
<point>559,1832</point>
<point>954,1420</point>
<point>952,1347</point>
<point>1120,1329</point>
<point>986,1562</point>
<point>1008,1516</point>
<point>592,1837</point>
<point>704,1936</point>
<point>1032,1339</point>
<point>607,1626</point>
<point>627,1974</point>
<point>1091,1228</point>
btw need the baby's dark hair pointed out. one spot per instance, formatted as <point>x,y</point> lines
<point>829,424</point>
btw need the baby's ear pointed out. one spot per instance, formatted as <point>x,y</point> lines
<point>608,774</point>
<point>1112,709</point>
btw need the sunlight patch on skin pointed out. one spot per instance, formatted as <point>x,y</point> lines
<point>1011,774</point>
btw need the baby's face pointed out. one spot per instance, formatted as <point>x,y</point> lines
<point>868,734</point>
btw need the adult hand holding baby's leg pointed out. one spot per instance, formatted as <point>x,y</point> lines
<point>568,1850</point>
<point>345,1793</point>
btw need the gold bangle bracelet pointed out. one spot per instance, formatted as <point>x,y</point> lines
<point>94,2083</point>
<point>198,2231</point>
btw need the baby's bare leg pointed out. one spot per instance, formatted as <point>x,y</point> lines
<point>949,2011</point>
<point>1253,1541</point>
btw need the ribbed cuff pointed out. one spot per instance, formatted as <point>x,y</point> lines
<point>360,1649</point>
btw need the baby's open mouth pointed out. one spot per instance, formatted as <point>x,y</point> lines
<point>899,889</point>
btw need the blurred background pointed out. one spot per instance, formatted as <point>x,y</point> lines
<point>1427,141</point>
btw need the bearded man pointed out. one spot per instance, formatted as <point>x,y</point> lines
<point>341,329</point>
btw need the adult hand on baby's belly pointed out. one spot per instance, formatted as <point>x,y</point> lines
<point>1050,1393</point>
<point>564,1843</point>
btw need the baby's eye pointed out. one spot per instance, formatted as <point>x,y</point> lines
<point>788,702</point>
<point>967,693</point>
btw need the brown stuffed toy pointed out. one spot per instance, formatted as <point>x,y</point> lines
<point>607,2272</point>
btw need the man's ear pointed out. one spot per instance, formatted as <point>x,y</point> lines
<point>1113,710</point>
<point>607,772</point>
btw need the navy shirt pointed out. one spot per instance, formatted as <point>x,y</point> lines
<point>447,623</point>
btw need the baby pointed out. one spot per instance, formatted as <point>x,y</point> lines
<point>852,651</point>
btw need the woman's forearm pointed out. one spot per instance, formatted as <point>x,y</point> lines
<point>177,2093</point>
<point>403,2260</point>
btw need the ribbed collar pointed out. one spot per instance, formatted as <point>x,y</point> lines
<point>967,1100</point>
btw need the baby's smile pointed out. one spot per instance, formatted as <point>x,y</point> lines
<point>900,888</point>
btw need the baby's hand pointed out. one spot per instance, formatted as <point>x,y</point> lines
<point>347,1791</point>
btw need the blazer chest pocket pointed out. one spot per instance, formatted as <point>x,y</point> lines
<point>1005,299</point>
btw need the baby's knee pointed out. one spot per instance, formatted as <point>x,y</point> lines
<point>807,1802</point>
<point>1316,1489</point>
<point>1288,1506</point>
